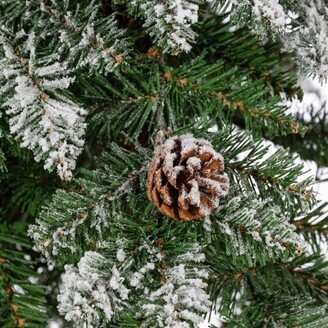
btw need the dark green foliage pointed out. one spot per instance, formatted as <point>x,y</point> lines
<point>26,192</point>
<point>303,279</point>
<point>240,49</point>
<point>261,248</point>
<point>123,172</point>
<point>313,226</point>
<point>74,221</point>
<point>22,303</point>
<point>158,95</point>
<point>314,146</point>
<point>293,312</point>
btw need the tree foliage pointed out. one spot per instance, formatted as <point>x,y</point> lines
<point>88,90</point>
<point>22,302</point>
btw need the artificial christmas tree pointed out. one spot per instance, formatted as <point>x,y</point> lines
<point>184,179</point>
<point>150,148</point>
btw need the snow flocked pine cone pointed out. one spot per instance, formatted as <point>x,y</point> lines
<point>186,179</point>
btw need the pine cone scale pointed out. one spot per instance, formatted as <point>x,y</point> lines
<point>186,179</point>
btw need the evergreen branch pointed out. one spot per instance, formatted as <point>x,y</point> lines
<point>244,98</point>
<point>22,302</point>
<point>294,23</point>
<point>87,39</point>
<point>81,213</point>
<point>109,297</point>
<point>314,144</point>
<point>2,155</point>
<point>44,118</point>
<point>141,75</point>
<point>145,248</point>
<point>100,287</point>
<point>140,103</point>
<point>178,298</point>
<point>291,312</point>
<point>108,202</point>
<point>256,230</point>
<point>169,98</point>
<point>169,22</point>
<point>240,49</point>
<point>269,174</point>
<point>27,192</point>
<point>303,277</point>
<point>314,226</point>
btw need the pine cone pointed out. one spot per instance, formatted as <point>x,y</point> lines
<point>186,179</point>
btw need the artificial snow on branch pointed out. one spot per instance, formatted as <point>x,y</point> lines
<point>93,292</point>
<point>41,114</point>
<point>181,300</point>
<point>169,23</point>
<point>302,27</point>
<point>22,297</point>
<point>77,216</point>
<point>309,41</point>
<point>87,39</point>
<point>257,230</point>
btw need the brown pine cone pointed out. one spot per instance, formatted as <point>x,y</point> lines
<point>186,179</point>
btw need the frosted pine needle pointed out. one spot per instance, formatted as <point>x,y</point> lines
<point>41,118</point>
